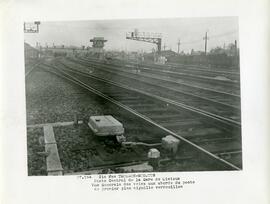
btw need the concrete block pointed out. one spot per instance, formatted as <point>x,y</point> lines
<point>105,126</point>
<point>153,154</point>
<point>170,143</point>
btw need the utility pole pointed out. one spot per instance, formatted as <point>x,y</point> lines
<point>178,46</point>
<point>205,44</point>
<point>235,44</point>
<point>236,54</point>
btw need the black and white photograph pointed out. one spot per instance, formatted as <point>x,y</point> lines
<point>133,95</point>
<point>134,101</point>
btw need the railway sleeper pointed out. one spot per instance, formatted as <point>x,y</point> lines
<point>211,158</point>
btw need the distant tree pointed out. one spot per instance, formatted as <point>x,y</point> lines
<point>217,50</point>
<point>231,46</point>
<point>231,50</point>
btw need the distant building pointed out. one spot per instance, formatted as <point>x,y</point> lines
<point>217,51</point>
<point>230,50</point>
<point>196,53</point>
<point>168,53</point>
<point>98,44</point>
<point>30,52</point>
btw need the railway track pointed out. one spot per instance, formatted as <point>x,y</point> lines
<point>208,79</point>
<point>165,78</point>
<point>209,102</point>
<point>221,96</point>
<point>203,71</point>
<point>234,71</point>
<point>211,138</point>
<point>27,73</point>
<point>194,69</point>
<point>225,79</point>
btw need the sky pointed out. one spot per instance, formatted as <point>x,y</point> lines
<point>190,31</point>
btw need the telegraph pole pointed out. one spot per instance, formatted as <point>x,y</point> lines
<point>178,46</point>
<point>205,44</point>
<point>236,53</point>
<point>235,44</point>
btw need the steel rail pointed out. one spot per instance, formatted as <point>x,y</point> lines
<point>200,68</point>
<point>209,79</point>
<point>213,80</point>
<point>31,69</point>
<point>157,85</point>
<point>224,120</point>
<point>195,68</point>
<point>166,80</point>
<point>178,104</point>
<point>198,148</point>
<point>187,67</point>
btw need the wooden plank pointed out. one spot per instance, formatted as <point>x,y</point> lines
<point>53,163</point>
<point>55,173</point>
<point>53,160</point>
<point>48,134</point>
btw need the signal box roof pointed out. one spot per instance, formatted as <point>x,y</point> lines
<point>98,39</point>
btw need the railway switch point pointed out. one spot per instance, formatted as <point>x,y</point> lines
<point>170,143</point>
<point>104,126</point>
